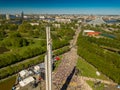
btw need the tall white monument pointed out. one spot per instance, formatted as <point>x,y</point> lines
<point>48,61</point>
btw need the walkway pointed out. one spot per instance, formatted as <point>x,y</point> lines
<point>64,78</point>
<point>102,81</point>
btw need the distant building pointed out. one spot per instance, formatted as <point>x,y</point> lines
<point>41,17</point>
<point>22,15</point>
<point>62,20</point>
<point>79,21</point>
<point>7,16</point>
<point>86,31</point>
<point>25,17</point>
<point>91,33</point>
<point>56,25</point>
<point>34,24</point>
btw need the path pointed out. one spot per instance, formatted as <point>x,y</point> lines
<point>102,81</point>
<point>64,78</point>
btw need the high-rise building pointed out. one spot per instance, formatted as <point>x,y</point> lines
<point>7,17</point>
<point>22,15</point>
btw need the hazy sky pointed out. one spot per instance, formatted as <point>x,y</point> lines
<point>61,6</point>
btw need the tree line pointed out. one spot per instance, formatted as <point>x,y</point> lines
<point>105,61</point>
<point>15,68</point>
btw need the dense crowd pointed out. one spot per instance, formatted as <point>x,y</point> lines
<point>66,66</point>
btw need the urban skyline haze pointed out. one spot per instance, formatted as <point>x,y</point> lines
<point>61,6</point>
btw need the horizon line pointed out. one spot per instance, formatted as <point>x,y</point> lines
<point>101,11</point>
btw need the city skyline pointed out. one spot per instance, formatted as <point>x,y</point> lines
<point>61,7</point>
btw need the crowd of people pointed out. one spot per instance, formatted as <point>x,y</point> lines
<point>65,68</point>
<point>67,64</point>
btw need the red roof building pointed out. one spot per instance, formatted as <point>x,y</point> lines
<point>93,33</point>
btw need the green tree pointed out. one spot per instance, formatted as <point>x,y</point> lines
<point>2,34</point>
<point>25,27</point>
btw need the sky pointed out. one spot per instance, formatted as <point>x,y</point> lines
<point>60,6</point>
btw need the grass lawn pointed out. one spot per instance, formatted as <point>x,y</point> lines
<point>97,87</point>
<point>8,83</point>
<point>88,70</point>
